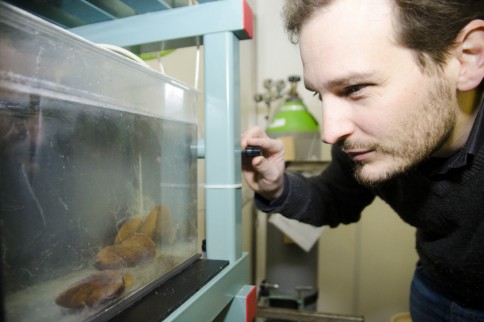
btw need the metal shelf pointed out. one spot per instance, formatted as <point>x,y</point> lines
<point>152,31</point>
<point>75,13</point>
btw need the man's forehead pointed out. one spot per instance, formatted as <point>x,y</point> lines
<point>354,11</point>
<point>338,33</point>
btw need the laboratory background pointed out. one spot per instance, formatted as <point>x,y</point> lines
<point>356,272</point>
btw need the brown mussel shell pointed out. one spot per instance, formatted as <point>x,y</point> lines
<point>149,225</point>
<point>128,229</point>
<point>92,290</point>
<point>136,249</point>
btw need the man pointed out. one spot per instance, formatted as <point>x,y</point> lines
<point>400,83</point>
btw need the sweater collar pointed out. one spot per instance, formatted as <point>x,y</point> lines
<point>461,157</point>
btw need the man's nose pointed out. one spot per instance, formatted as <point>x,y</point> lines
<point>337,121</point>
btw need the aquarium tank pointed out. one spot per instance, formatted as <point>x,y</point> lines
<point>98,190</point>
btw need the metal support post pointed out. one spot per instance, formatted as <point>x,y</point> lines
<point>222,135</point>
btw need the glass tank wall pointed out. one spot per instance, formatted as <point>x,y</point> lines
<point>98,191</point>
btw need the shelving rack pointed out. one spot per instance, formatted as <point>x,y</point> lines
<point>149,25</point>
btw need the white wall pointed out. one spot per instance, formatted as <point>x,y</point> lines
<point>278,58</point>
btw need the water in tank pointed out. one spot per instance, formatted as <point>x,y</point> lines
<point>98,191</point>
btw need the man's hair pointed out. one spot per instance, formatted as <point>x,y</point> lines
<point>428,27</point>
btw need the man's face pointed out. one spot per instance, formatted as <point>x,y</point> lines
<point>378,106</point>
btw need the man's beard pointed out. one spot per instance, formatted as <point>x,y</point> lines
<point>420,135</point>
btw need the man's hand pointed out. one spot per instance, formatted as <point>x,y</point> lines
<point>264,174</point>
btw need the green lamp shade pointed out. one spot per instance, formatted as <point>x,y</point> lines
<point>293,117</point>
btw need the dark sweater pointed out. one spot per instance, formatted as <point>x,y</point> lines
<point>447,209</point>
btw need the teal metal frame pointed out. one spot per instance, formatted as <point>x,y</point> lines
<point>220,25</point>
<point>222,163</point>
<point>75,13</point>
<point>174,28</point>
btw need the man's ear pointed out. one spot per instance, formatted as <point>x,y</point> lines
<point>471,55</point>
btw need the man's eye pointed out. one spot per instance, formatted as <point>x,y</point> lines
<point>353,90</point>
